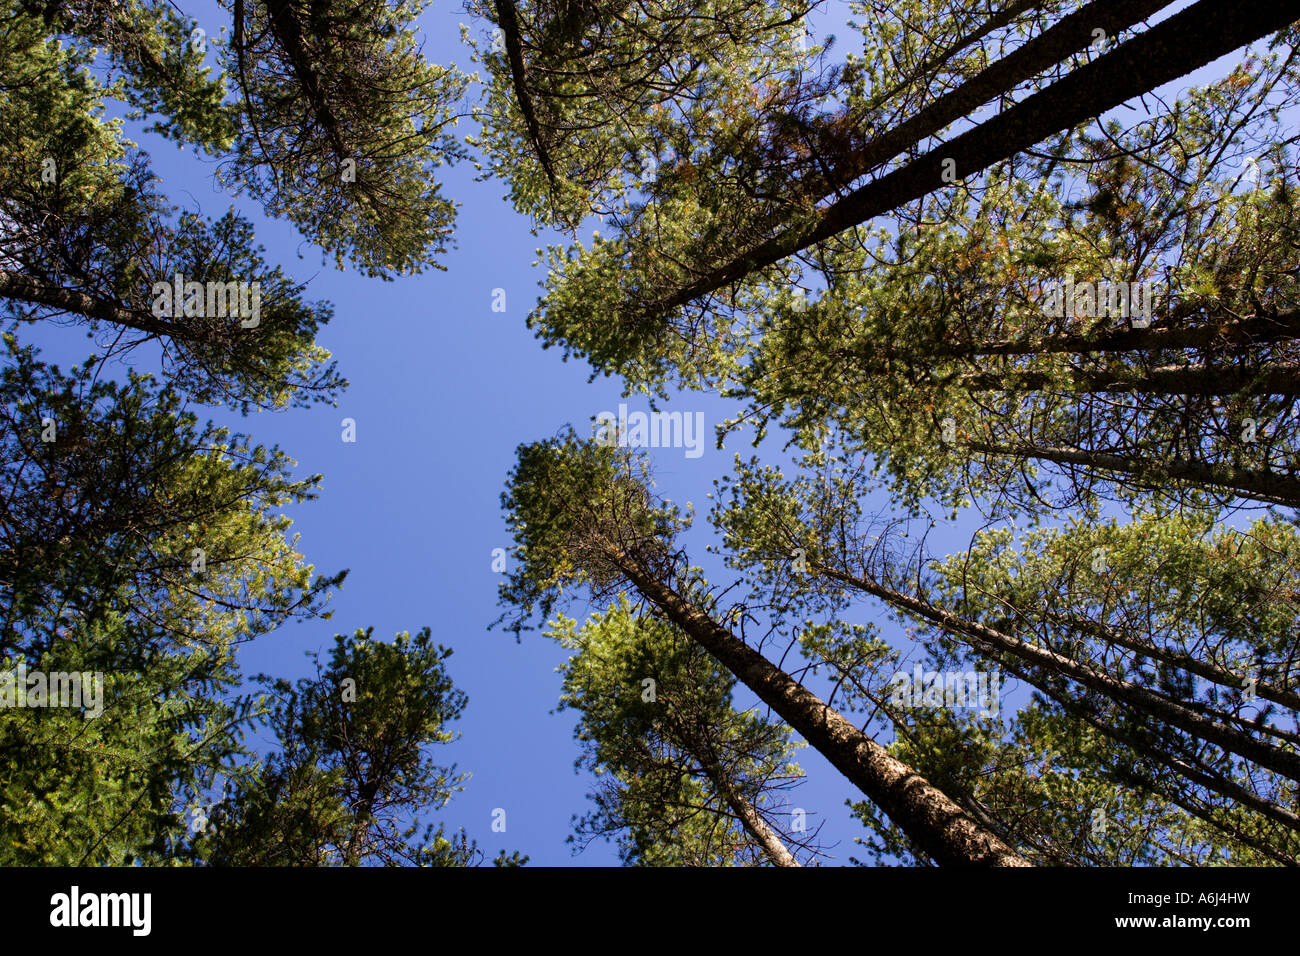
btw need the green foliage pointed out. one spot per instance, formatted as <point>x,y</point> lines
<point>565,498</point>
<point>673,759</point>
<point>138,543</point>
<point>353,772</point>
<point>1198,616</point>
<point>142,546</point>
<point>107,789</point>
<point>616,101</point>
<point>1040,778</point>
<point>113,510</point>
<point>156,64</point>
<point>345,126</point>
<point>87,234</point>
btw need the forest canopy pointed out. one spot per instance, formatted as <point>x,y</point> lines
<point>1003,295</point>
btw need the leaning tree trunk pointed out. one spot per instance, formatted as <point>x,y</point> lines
<point>936,824</point>
<point>1173,48</point>
<point>750,819</point>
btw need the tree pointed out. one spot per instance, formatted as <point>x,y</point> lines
<point>107,785</point>
<point>701,250</point>
<point>119,501</point>
<point>933,350</point>
<point>353,773</point>
<point>684,778</point>
<point>939,352</point>
<point>142,547</point>
<point>590,103</point>
<point>1155,634</point>
<point>583,514</point>
<point>1038,782</point>
<point>138,547</point>
<point>86,236</point>
<point>344,126</point>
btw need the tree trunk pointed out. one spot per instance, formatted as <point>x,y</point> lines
<point>288,33</point>
<point>1264,486</point>
<point>506,20</point>
<point>1156,705</point>
<point>750,819</point>
<point>1186,41</point>
<point>1273,378</point>
<point>15,285</point>
<point>1210,332</point>
<point>1074,33</point>
<point>933,821</point>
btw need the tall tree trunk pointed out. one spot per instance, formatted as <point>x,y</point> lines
<point>509,24</point>
<point>1214,331</point>
<point>983,637</point>
<point>24,288</point>
<point>1074,33</point>
<point>706,756</point>
<point>1210,780</point>
<point>1272,378</point>
<point>750,819</point>
<point>1264,486</point>
<point>288,33</point>
<point>929,817</point>
<point>1201,668</point>
<point>1186,41</point>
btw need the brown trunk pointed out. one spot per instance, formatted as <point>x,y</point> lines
<point>1071,35</point>
<point>1213,782</point>
<point>1190,664</point>
<point>14,285</point>
<point>506,20</point>
<point>1270,379</point>
<point>1218,332</point>
<point>1163,708</point>
<point>703,754</point>
<point>1256,485</point>
<point>1186,41</point>
<point>933,821</point>
<point>288,33</point>
<point>749,818</point>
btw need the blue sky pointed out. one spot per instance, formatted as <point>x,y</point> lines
<point>442,391</point>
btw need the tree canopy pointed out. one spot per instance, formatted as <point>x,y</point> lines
<point>991,280</point>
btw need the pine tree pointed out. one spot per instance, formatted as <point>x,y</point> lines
<point>683,777</point>
<point>352,776</point>
<point>583,514</point>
